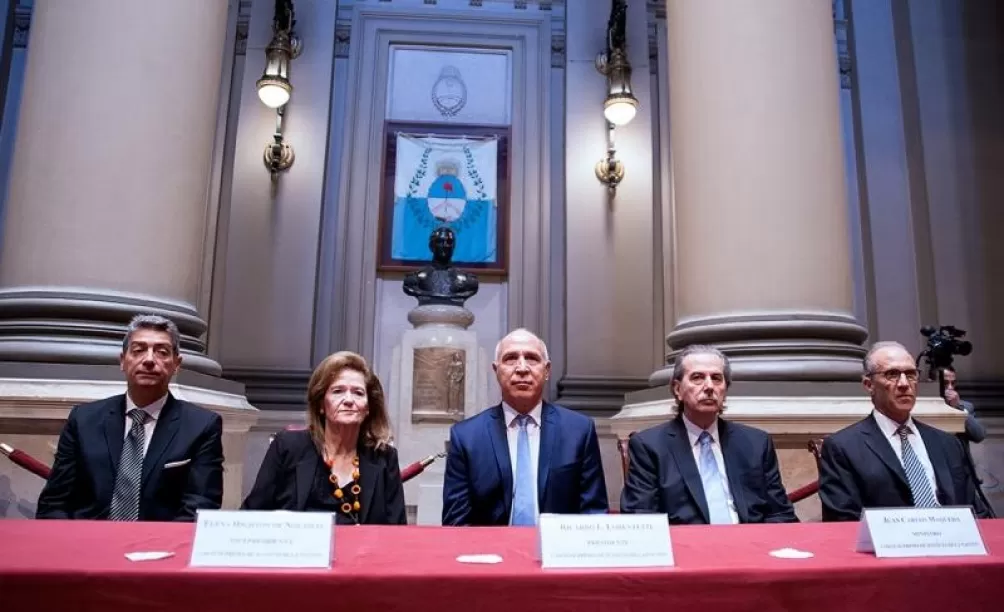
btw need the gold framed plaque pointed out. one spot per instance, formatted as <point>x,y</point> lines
<point>437,385</point>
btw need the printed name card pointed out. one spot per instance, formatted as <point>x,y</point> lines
<point>226,538</point>
<point>604,540</point>
<point>920,532</point>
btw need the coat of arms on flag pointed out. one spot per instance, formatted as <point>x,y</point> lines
<point>450,180</point>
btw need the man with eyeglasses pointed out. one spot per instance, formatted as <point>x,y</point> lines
<point>889,459</point>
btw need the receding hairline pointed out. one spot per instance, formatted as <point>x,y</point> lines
<point>522,331</point>
<point>869,361</point>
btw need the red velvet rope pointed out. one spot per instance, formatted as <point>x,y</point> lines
<point>31,464</point>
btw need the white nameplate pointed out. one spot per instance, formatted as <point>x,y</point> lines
<point>227,538</point>
<point>604,540</point>
<point>950,531</point>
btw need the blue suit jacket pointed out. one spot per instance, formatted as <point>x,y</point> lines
<point>187,438</point>
<point>477,487</point>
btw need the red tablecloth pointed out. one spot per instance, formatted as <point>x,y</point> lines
<point>52,565</point>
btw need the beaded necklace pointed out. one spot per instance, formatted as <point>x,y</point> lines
<point>350,507</point>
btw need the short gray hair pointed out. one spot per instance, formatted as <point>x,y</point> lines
<point>155,322</point>
<point>868,363</point>
<point>702,349</point>
<point>521,330</point>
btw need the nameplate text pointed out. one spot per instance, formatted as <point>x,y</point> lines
<point>920,532</point>
<point>604,540</point>
<point>226,538</point>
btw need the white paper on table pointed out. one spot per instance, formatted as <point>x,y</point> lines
<point>479,559</point>
<point>791,553</point>
<point>148,556</point>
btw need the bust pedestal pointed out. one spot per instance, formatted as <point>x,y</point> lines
<point>439,377</point>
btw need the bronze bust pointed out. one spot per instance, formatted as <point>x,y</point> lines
<point>440,283</point>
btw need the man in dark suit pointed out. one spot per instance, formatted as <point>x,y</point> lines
<point>699,468</point>
<point>140,456</point>
<point>888,459</point>
<point>523,457</point>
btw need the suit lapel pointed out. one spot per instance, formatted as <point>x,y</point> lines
<point>679,445</point>
<point>168,424</point>
<point>369,471</point>
<point>500,445</point>
<point>942,475</point>
<point>731,453</point>
<point>548,433</point>
<point>306,473</point>
<point>115,431</point>
<point>875,440</point>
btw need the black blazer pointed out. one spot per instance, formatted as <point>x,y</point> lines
<point>90,447</point>
<point>663,477</point>
<point>290,467</point>
<point>477,485</point>
<point>858,469</point>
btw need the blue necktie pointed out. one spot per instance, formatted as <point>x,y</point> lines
<point>920,486</point>
<point>524,489</point>
<point>711,479</point>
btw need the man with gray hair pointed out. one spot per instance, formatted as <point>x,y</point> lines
<point>889,459</point>
<point>143,455</point>
<point>699,468</point>
<point>523,457</point>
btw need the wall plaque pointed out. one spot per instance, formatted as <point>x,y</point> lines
<point>437,386</point>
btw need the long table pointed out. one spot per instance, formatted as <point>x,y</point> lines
<point>62,565</point>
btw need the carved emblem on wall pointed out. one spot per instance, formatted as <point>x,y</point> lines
<point>449,93</point>
<point>438,379</point>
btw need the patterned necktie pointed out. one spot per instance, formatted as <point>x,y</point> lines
<point>524,488</point>
<point>920,486</point>
<point>711,479</point>
<point>128,480</point>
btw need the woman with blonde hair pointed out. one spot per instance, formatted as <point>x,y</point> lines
<point>343,462</point>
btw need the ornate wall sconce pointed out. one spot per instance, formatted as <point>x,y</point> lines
<point>620,105</point>
<point>274,88</point>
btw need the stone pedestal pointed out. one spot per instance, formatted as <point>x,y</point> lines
<point>33,410</point>
<point>439,377</point>
<point>793,414</point>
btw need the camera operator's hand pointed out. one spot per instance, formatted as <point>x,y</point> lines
<point>952,398</point>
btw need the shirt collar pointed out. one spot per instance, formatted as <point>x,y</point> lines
<point>511,414</point>
<point>694,432</point>
<point>889,426</point>
<point>153,409</point>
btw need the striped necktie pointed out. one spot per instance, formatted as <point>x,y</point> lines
<point>128,480</point>
<point>920,486</point>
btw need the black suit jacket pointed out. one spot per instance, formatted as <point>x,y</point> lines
<point>90,447</point>
<point>289,470</point>
<point>858,469</point>
<point>663,477</point>
<point>477,485</point>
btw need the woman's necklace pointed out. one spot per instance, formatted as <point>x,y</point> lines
<point>349,497</point>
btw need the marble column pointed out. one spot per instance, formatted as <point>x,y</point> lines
<point>762,249</point>
<point>107,205</point>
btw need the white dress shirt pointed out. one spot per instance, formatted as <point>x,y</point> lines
<point>533,433</point>
<point>889,427</point>
<point>153,410</point>
<point>694,433</point>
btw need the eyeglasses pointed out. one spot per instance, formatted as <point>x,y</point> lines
<point>893,375</point>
